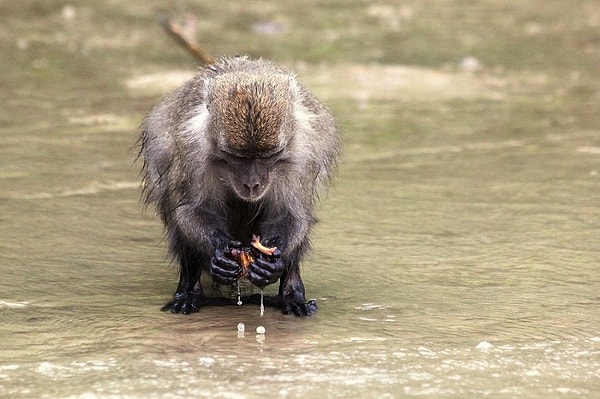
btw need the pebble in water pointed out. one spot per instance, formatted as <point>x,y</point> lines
<point>241,328</point>
<point>484,346</point>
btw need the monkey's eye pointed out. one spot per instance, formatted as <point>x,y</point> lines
<point>276,156</point>
<point>268,158</point>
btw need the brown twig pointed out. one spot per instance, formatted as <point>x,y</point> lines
<point>174,30</point>
<point>265,250</point>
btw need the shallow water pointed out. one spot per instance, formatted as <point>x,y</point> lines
<point>456,255</point>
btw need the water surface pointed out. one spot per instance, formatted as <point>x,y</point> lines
<point>456,255</point>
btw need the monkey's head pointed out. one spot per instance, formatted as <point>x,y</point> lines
<point>252,123</point>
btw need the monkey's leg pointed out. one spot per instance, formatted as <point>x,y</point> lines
<point>291,292</point>
<point>189,296</point>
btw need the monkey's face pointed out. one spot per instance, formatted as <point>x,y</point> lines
<point>250,178</point>
<point>251,117</point>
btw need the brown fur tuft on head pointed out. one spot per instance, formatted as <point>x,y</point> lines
<point>250,111</point>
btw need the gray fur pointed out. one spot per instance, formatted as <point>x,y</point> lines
<point>185,133</point>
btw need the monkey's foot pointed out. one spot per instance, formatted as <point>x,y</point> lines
<point>293,304</point>
<point>191,301</point>
<point>184,302</point>
<point>299,308</point>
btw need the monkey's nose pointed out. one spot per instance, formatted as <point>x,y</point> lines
<point>252,188</point>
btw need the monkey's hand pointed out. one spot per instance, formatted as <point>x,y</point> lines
<point>265,269</point>
<point>224,269</point>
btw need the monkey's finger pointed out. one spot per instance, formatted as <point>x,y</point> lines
<point>224,262</point>
<point>294,304</point>
<point>235,244</point>
<point>224,271</point>
<point>267,266</point>
<point>271,242</point>
<point>176,307</point>
<point>190,306</point>
<point>297,309</point>
<point>276,253</point>
<point>224,278</point>
<point>184,302</point>
<point>262,276</point>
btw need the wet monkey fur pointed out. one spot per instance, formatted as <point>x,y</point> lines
<point>241,149</point>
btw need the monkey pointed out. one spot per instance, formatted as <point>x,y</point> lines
<point>241,149</point>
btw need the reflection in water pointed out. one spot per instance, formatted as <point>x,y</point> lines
<point>456,255</point>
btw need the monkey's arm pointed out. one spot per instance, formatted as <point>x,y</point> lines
<point>204,229</point>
